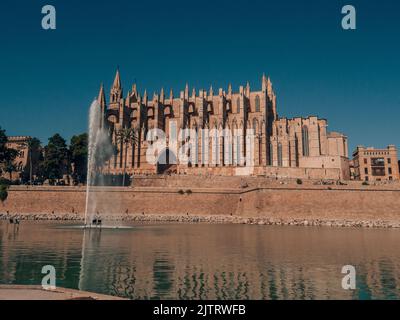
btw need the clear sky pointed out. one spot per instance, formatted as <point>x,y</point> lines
<point>49,78</point>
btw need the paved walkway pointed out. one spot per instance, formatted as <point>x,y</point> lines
<point>23,292</point>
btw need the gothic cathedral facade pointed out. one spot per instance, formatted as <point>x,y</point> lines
<point>281,147</point>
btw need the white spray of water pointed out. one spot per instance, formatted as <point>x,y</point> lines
<point>97,142</point>
<point>94,118</point>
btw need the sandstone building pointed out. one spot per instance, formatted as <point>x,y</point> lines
<point>19,143</point>
<point>298,147</point>
<point>372,164</point>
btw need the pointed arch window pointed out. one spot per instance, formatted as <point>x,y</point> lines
<point>271,154</point>
<point>216,147</point>
<point>257,103</point>
<point>280,162</point>
<point>255,126</point>
<point>238,105</point>
<point>306,145</point>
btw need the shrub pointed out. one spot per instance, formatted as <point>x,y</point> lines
<point>299,181</point>
<point>3,192</point>
<point>181,191</point>
<point>4,181</point>
<point>188,191</point>
<point>365,183</point>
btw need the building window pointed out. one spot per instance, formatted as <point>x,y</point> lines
<point>238,151</point>
<point>366,170</point>
<point>389,161</point>
<point>280,162</point>
<point>378,167</point>
<point>366,178</point>
<point>390,170</point>
<point>255,126</point>
<point>306,147</point>
<point>216,150</point>
<point>365,161</point>
<point>238,105</point>
<point>390,178</point>
<point>271,154</point>
<point>257,103</point>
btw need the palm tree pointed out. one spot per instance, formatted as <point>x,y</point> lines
<point>10,167</point>
<point>126,136</point>
<point>33,144</point>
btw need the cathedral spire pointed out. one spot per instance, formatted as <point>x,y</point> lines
<point>116,89</point>
<point>117,80</point>
<point>101,99</point>
<point>264,83</point>
<point>269,85</point>
<point>171,94</point>
<point>162,95</point>
<point>248,89</point>
<point>186,90</point>
<point>211,91</point>
<point>229,89</point>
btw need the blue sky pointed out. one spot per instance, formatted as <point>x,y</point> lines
<point>352,78</point>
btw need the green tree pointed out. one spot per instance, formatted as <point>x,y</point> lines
<point>7,155</point>
<point>78,150</point>
<point>126,137</point>
<point>56,159</point>
<point>10,167</point>
<point>3,147</point>
<point>3,192</point>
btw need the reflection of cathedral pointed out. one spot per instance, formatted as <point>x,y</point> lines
<point>204,261</point>
<point>287,145</point>
<point>185,262</point>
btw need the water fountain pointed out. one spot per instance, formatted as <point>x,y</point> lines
<point>99,145</point>
<point>95,142</point>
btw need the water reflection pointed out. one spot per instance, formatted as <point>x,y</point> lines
<point>205,261</point>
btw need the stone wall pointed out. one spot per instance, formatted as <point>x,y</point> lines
<point>280,202</point>
<point>267,171</point>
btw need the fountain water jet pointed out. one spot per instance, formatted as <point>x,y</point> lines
<point>100,149</point>
<point>94,131</point>
<point>98,146</point>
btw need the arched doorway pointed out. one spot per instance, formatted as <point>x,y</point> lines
<point>166,162</point>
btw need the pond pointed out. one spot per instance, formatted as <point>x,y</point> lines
<point>205,261</point>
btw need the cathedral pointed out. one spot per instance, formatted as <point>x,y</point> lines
<point>281,147</point>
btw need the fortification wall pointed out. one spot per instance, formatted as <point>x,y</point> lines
<point>284,202</point>
<point>267,171</point>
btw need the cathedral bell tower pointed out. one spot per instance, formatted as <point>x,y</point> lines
<point>116,90</point>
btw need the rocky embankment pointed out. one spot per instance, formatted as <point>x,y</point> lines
<point>209,219</point>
